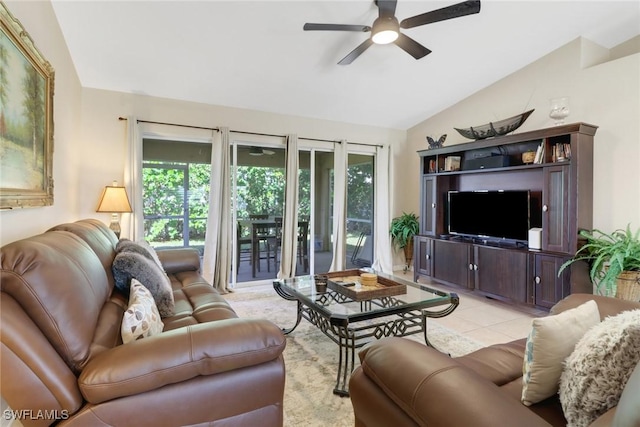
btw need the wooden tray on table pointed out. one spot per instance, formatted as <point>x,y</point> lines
<point>346,283</point>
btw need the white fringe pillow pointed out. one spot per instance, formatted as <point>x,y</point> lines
<point>599,367</point>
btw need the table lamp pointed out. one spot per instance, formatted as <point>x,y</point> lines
<point>115,201</point>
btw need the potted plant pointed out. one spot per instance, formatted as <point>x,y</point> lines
<point>402,230</point>
<point>614,261</point>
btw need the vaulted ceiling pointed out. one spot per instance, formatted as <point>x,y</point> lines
<point>255,54</point>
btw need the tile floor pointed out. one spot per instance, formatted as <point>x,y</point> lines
<point>483,319</point>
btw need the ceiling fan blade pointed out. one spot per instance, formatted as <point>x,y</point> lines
<point>411,46</point>
<point>449,12</point>
<point>356,52</point>
<point>336,27</point>
<point>386,7</point>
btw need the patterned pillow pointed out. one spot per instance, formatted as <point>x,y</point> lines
<point>600,366</point>
<point>551,340</point>
<point>141,318</point>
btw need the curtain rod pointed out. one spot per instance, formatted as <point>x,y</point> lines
<point>171,124</point>
<point>247,132</point>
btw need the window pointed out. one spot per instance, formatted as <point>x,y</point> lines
<point>175,177</point>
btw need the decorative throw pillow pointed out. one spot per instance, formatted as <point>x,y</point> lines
<point>600,366</point>
<point>129,265</point>
<point>142,247</point>
<point>550,341</point>
<point>141,318</point>
<point>152,252</point>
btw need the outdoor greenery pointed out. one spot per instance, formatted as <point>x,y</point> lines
<point>260,190</point>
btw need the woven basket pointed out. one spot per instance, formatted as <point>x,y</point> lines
<point>628,286</point>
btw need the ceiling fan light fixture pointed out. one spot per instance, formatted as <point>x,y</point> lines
<point>255,151</point>
<point>385,30</point>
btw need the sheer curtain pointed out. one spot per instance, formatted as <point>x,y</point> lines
<point>383,260</point>
<point>133,223</point>
<point>340,164</point>
<point>218,238</point>
<point>289,238</point>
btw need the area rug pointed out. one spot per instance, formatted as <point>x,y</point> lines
<point>311,359</point>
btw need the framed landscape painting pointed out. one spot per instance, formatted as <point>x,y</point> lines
<point>26,119</point>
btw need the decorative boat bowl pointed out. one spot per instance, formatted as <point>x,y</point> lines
<point>491,129</point>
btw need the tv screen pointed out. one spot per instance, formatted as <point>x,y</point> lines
<point>492,214</point>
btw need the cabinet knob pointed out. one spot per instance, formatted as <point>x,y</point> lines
<point>475,267</point>
<point>545,208</point>
<point>433,205</point>
<point>470,266</point>
<point>428,256</point>
<point>537,279</point>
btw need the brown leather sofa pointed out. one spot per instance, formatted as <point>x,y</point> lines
<point>62,354</point>
<point>404,383</point>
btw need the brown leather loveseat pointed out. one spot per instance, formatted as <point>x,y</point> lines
<point>404,383</point>
<point>62,357</point>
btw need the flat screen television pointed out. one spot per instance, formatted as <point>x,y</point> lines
<point>503,215</point>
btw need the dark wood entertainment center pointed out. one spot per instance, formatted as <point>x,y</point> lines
<point>561,192</point>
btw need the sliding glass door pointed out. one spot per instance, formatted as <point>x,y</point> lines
<point>315,211</point>
<point>258,183</point>
<point>360,212</point>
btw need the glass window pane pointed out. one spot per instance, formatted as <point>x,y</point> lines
<point>360,199</point>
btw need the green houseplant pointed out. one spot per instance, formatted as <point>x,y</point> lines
<point>402,230</point>
<point>614,261</point>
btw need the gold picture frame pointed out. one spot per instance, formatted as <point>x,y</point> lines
<point>26,119</point>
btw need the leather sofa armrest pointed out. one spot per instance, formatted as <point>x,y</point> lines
<point>178,355</point>
<point>607,306</point>
<point>177,260</point>
<point>435,390</point>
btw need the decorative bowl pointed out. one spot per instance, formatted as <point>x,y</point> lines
<point>491,129</point>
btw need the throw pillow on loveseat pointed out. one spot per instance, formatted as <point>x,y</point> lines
<point>134,261</point>
<point>596,372</point>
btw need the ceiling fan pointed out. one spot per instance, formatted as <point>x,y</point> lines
<point>258,151</point>
<point>386,28</point>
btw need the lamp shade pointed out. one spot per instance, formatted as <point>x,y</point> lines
<point>114,199</point>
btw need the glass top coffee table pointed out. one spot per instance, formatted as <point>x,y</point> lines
<point>351,316</point>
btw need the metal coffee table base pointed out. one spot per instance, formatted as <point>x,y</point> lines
<point>352,336</point>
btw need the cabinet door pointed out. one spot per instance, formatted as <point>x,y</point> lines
<point>548,287</point>
<point>452,263</point>
<point>555,209</point>
<point>501,272</point>
<point>422,257</point>
<point>428,208</point>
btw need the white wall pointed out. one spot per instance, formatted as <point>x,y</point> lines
<point>39,20</point>
<point>602,92</point>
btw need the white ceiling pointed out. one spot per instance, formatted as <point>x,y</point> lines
<point>255,55</point>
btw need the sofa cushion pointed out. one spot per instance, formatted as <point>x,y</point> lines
<point>141,319</point>
<point>132,264</point>
<point>62,286</point>
<point>550,341</point>
<point>598,369</point>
